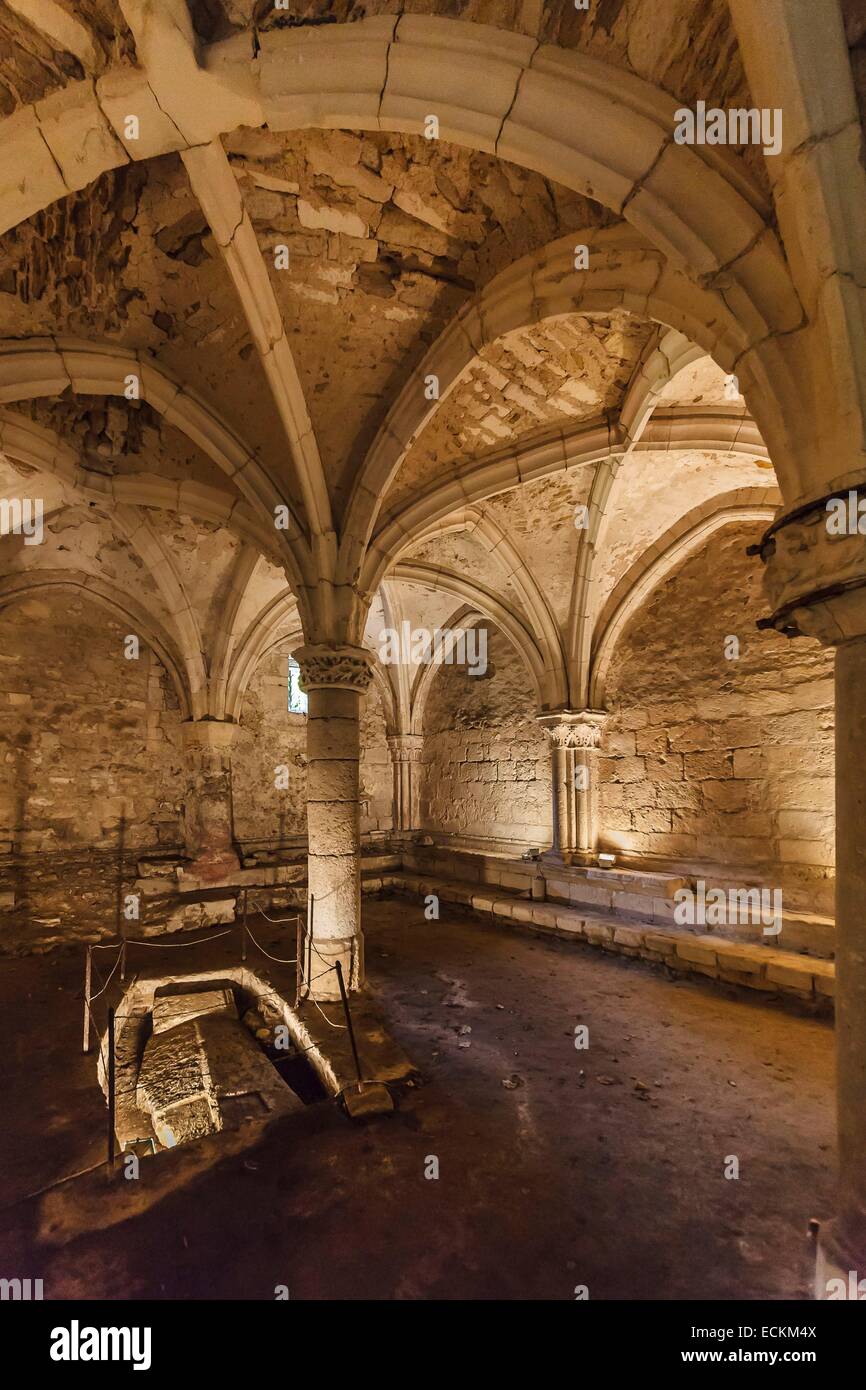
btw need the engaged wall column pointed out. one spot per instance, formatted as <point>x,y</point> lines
<point>405,760</point>
<point>207,818</point>
<point>574,737</point>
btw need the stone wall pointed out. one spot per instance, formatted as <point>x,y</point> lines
<point>270,737</point>
<point>485,772</point>
<point>721,762</point>
<point>85,737</point>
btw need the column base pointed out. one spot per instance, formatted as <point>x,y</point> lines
<point>349,951</point>
<point>571,858</point>
<point>555,857</point>
<point>840,1269</point>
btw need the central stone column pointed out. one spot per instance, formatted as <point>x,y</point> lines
<point>815,580</point>
<point>335,679</point>
<point>405,758</point>
<point>574,737</point>
<point>207,810</point>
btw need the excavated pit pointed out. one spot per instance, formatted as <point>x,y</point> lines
<point>202,1057</point>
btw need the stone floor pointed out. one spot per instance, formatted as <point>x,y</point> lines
<point>602,1167</point>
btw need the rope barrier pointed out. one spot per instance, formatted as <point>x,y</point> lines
<point>203,941</point>
<point>278,959</point>
<point>278,921</point>
<point>340,1026</point>
<point>98,1036</point>
<point>163,945</point>
<point>108,981</point>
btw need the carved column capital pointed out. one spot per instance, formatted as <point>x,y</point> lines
<point>325,667</point>
<point>574,728</point>
<point>815,571</point>
<point>405,748</point>
<point>574,737</point>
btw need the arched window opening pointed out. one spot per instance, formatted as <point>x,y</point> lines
<point>297,699</point>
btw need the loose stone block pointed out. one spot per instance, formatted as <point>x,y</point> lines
<point>628,936</point>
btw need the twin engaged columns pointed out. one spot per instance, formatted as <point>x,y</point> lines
<point>335,679</point>
<point>405,760</point>
<point>574,737</point>
<point>816,585</point>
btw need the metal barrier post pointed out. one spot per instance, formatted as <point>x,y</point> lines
<point>339,969</point>
<point>299,963</point>
<point>110,1087</point>
<point>310,943</point>
<point>244,929</point>
<point>88,968</point>
<point>121,915</point>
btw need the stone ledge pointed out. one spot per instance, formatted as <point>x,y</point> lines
<point>763,968</point>
<point>635,894</point>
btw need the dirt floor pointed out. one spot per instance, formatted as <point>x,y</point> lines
<point>602,1167</point>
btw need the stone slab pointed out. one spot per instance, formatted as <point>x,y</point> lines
<point>169,1010</point>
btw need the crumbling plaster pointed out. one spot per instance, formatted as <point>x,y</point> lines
<point>653,490</point>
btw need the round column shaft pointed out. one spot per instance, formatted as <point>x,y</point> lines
<point>335,679</point>
<point>815,580</point>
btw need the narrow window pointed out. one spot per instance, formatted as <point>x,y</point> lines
<point>297,698</point>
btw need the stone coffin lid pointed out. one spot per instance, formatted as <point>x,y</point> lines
<point>169,1010</point>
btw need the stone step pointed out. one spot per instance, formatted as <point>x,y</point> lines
<point>801,932</point>
<point>643,881</point>
<point>612,891</point>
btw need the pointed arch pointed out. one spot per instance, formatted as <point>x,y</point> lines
<point>16,587</point>
<point>651,569</point>
<point>491,606</point>
<point>48,367</point>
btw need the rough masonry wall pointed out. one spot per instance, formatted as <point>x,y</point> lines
<point>85,737</point>
<point>376,774</point>
<point>270,737</point>
<point>721,762</point>
<point>485,772</point>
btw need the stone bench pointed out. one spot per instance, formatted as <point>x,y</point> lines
<point>758,967</point>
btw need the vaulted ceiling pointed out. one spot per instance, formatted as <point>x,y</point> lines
<point>293,288</point>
